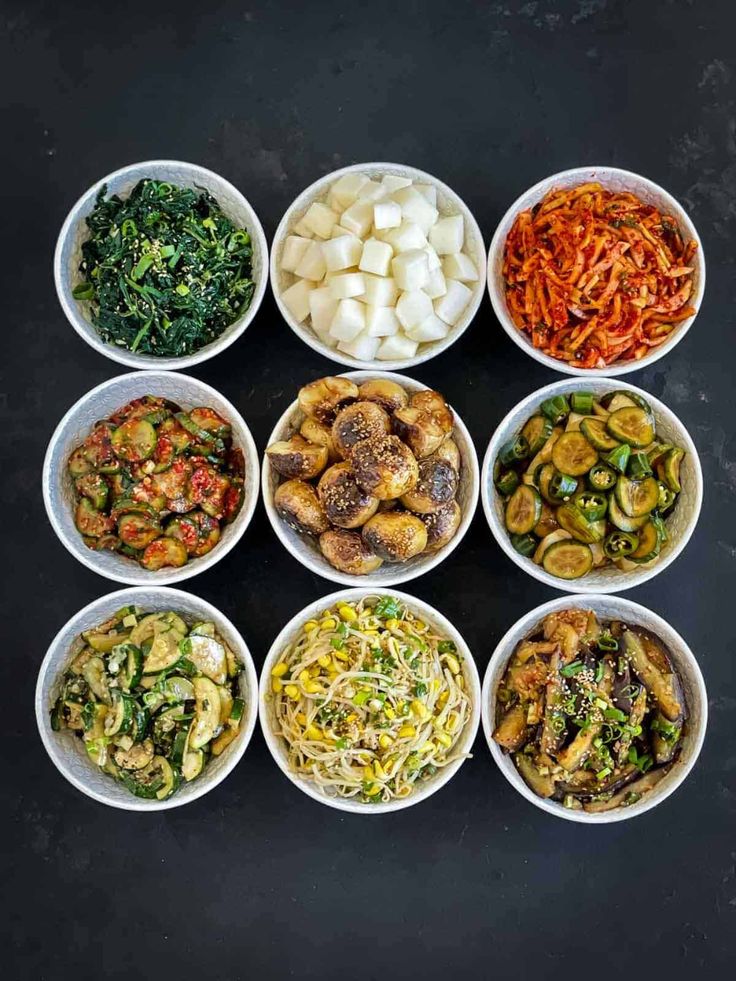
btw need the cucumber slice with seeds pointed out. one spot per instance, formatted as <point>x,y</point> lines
<point>595,432</point>
<point>621,520</point>
<point>572,519</point>
<point>649,546</point>
<point>567,560</point>
<point>537,431</point>
<point>134,441</point>
<point>573,454</point>
<point>523,510</point>
<point>670,468</point>
<point>637,497</point>
<point>631,425</point>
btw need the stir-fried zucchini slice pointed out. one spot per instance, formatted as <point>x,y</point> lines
<point>207,713</point>
<point>138,756</point>
<point>637,497</point>
<point>572,454</point>
<point>164,652</point>
<point>94,674</point>
<point>595,432</point>
<point>121,718</point>
<point>567,560</point>
<point>631,425</point>
<point>192,764</point>
<point>207,655</point>
<point>523,510</point>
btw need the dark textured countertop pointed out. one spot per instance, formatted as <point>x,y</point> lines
<point>255,880</point>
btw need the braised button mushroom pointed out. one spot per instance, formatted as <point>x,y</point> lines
<point>384,466</point>
<point>437,486</point>
<point>345,502</point>
<point>346,551</point>
<point>448,451</point>
<point>298,505</point>
<point>395,535</point>
<point>297,459</point>
<point>442,525</point>
<point>358,421</point>
<point>434,405</point>
<point>388,394</point>
<point>316,432</point>
<point>419,431</point>
<point>323,399</point>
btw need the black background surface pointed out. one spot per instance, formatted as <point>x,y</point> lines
<point>256,880</point>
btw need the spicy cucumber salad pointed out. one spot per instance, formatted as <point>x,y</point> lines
<point>152,698</point>
<point>587,483</point>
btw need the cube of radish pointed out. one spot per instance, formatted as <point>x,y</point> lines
<point>363,347</point>
<point>322,308</point>
<point>380,291</point>
<point>450,306</point>
<point>386,214</point>
<point>346,189</point>
<point>429,192</point>
<point>393,183</point>
<point>372,191</point>
<point>296,299</point>
<point>376,257</point>
<point>325,336</point>
<point>416,208</point>
<point>433,260</point>
<point>396,348</point>
<point>343,252</point>
<point>349,320</point>
<point>294,248</point>
<point>436,285</point>
<point>410,270</point>
<point>381,321</point>
<point>320,219</point>
<point>430,329</point>
<point>301,229</point>
<point>412,308</point>
<point>459,266</point>
<point>407,236</point>
<point>446,236</point>
<point>312,265</point>
<point>358,218</point>
<point>333,203</point>
<point>345,285</point>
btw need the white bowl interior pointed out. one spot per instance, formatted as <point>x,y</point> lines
<point>100,403</point>
<point>277,746</point>
<point>614,179</point>
<point>67,750</point>
<point>680,523</point>
<point>448,203</point>
<point>306,549</point>
<point>74,232</point>
<point>605,607</point>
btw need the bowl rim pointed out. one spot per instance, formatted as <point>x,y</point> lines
<point>274,742</point>
<point>238,750</point>
<point>144,362</point>
<point>433,559</point>
<point>683,654</point>
<point>138,576</point>
<point>603,171</point>
<point>625,580</point>
<point>307,336</point>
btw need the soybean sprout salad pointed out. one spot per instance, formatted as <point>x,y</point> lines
<point>370,700</point>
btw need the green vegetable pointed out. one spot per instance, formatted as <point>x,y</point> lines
<point>388,608</point>
<point>582,402</point>
<point>556,409</point>
<point>446,647</point>
<point>516,449</point>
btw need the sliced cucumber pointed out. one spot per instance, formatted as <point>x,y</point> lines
<point>631,425</point>
<point>163,553</point>
<point>524,544</point>
<point>178,689</point>
<point>207,713</point>
<point>670,468</point>
<point>567,560</point>
<point>544,478</point>
<point>572,454</point>
<point>547,523</point>
<point>89,521</point>
<point>621,520</point>
<point>595,432</point>
<point>555,536</point>
<point>572,519</point>
<point>637,497</point>
<point>649,546</point>
<point>536,432</point>
<point>134,441</point>
<point>523,510</point>
<point>204,628</point>
<point>138,530</point>
<point>156,623</point>
<point>618,400</point>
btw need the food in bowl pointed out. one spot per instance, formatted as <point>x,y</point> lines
<point>376,270</point>
<point>165,271</point>
<point>157,484</point>
<point>369,700</point>
<point>595,277</point>
<point>372,473</point>
<point>586,483</point>
<point>592,712</point>
<point>152,698</point>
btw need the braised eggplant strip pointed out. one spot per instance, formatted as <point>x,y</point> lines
<point>593,713</point>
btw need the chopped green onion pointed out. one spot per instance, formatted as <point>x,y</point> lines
<point>446,647</point>
<point>614,715</point>
<point>361,697</point>
<point>602,774</point>
<point>570,670</point>
<point>388,608</point>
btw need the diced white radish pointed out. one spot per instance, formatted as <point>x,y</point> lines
<point>301,229</point>
<point>320,219</point>
<point>393,183</point>
<point>446,236</point>
<point>312,265</point>
<point>410,270</point>
<point>430,329</point>
<point>433,260</point>
<point>325,336</point>
<point>345,285</point>
<point>338,231</point>
<point>380,291</point>
<point>358,218</point>
<point>386,214</point>
<point>416,208</point>
<point>429,192</point>
<point>450,306</point>
<point>376,257</point>
<point>343,252</point>
<point>372,192</point>
<point>349,320</point>
<point>459,266</point>
<point>347,188</point>
<point>296,299</point>
<point>436,285</point>
<point>294,248</point>
<point>412,308</point>
<point>364,348</point>
<point>397,348</point>
<point>332,202</point>
<point>407,236</point>
<point>381,321</point>
<point>322,308</point>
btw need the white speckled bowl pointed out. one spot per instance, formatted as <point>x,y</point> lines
<point>448,203</point>
<point>74,231</point>
<point>608,607</point>
<point>306,550</point>
<point>680,523</point>
<point>101,402</point>
<point>277,745</point>
<point>615,179</point>
<point>67,750</point>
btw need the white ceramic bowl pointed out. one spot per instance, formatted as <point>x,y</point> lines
<point>67,750</point>
<point>101,402</point>
<point>74,232</point>
<point>614,179</point>
<point>277,745</point>
<point>680,523</point>
<point>306,550</point>
<point>448,203</point>
<point>608,607</point>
